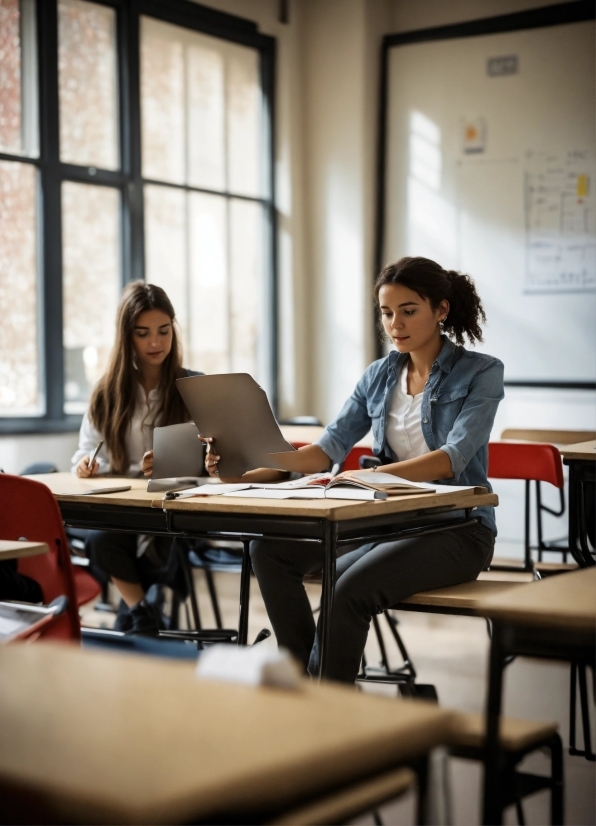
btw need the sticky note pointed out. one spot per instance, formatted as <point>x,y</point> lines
<point>582,186</point>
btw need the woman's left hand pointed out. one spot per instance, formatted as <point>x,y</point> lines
<point>147,463</point>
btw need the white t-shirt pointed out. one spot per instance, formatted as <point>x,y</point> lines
<point>404,429</point>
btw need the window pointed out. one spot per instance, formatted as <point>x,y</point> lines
<point>135,142</point>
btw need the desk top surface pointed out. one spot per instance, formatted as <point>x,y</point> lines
<point>143,740</point>
<point>67,488</point>
<point>582,450</point>
<point>565,601</point>
<point>11,549</point>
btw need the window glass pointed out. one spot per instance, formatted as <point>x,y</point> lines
<point>201,103</point>
<point>162,102</point>
<point>244,109</point>
<point>91,286</point>
<point>205,66</point>
<point>18,78</point>
<point>248,298</point>
<point>19,347</point>
<point>208,276</point>
<point>165,250</point>
<point>88,84</point>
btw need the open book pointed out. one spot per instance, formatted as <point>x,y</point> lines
<point>360,485</point>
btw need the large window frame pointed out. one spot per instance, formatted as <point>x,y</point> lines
<point>52,173</point>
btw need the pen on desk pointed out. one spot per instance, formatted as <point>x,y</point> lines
<point>93,456</point>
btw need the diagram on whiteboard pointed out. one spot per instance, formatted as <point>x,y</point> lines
<point>560,200</point>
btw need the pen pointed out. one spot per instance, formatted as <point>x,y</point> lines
<point>94,455</point>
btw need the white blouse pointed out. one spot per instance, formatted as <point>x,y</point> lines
<point>139,438</point>
<point>404,429</point>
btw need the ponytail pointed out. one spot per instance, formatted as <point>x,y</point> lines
<point>432,282</point>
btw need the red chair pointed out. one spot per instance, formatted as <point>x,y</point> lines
<point>531,463</point>
<point>29,511</point>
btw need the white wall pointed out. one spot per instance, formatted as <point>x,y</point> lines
<point>17,452</point>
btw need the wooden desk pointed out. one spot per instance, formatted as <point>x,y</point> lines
<point>89,737</point>
<point>10,549</point>
<point>554,618</point>
<point>328,523</point>
<point>581,459</point>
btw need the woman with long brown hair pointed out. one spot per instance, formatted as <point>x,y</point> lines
<point>137,393</point>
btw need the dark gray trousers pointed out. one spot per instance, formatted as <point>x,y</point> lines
<point>368,580</point>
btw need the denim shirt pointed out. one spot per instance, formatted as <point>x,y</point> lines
<point>459,404</point>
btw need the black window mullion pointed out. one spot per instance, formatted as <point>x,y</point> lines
<point>130,88</point>
<point>50,210</point>
<point>268,160</point>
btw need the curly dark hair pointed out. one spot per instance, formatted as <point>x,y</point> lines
<point>432,282</point>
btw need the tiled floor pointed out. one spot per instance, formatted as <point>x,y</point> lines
<point>451,653</point>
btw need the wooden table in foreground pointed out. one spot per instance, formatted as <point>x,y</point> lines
<point>581,459</point>
<point>554,618</point>
<point>89,737</point>
<point>10,549</point>
<point>332,524</point>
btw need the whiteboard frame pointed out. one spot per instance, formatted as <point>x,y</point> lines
<point>555,15</point>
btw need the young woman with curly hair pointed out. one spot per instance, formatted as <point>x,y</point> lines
<point>431,404</point>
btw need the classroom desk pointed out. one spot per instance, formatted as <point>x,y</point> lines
<point>11,549</point>
<point>332,524</point>
<point>90,737</point>
<point>554,618</point>
<point>581,459</point>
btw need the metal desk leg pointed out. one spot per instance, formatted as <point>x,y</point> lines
<point>327,592</point>
<point>492,812</point>
<point>244,595</point>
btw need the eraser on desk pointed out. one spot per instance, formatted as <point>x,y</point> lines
<point>251,665</point>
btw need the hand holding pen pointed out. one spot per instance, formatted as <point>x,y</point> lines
<point>88,465</point>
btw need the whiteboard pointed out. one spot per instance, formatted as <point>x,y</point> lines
<point>495,176</point>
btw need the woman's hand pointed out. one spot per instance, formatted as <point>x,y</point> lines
<point>147,463</point>
<point>211,457</point>
<point>83,471</point>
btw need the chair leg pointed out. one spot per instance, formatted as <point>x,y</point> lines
<point>557,799</point>
<point>213,597</point>
<point>585,708</point>
<point>578,675</point>
<point>175,612</point>
<point>520,812</point>
<point>380,640</point>
<point>400,644</point>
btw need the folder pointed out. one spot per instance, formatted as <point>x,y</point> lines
<point>234,410</point>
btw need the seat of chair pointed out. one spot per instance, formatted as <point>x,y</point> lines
<point>459,598</point>
<point>468,731</point>
<point>353,801</point>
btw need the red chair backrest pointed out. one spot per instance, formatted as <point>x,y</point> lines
<point>517,460</point>
<point>28,510</point>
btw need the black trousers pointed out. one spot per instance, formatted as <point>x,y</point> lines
<point>17,586</point>
<point>116,554</point>
<point>369,579</point>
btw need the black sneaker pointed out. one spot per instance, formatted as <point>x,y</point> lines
<point>123,621</point>
<point>146,620</point>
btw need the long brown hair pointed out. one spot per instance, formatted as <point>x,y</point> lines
<point>431,281</point>
<point>114,397</point>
